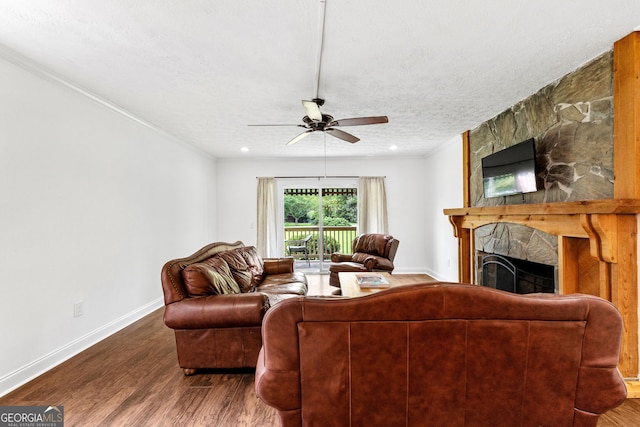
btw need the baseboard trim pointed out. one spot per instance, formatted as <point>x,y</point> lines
<point>437,276</point>
<point>26,373</point>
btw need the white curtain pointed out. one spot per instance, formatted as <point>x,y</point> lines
<point>266,221</point>
<point>372,205</point>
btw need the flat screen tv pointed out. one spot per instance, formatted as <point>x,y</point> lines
<point>510,171</point>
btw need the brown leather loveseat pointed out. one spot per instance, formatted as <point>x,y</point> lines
<point>216,298</point>
<point>441,355</point>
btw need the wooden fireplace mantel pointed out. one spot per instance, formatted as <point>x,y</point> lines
<point>592,219</point>
<point>597,252</point>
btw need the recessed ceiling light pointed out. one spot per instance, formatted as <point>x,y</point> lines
<point>244,149</point>
<point>393,147</point>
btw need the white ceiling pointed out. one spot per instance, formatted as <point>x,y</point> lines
<point>203,70</point>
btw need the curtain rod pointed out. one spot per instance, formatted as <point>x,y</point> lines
<point>317,177</point>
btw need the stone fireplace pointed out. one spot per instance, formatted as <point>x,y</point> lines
<point>590,202</point>
<point>571,121</point>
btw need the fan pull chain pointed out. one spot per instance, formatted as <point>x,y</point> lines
<point>325,153</point>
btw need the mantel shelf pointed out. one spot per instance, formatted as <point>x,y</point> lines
<point>608,206</point>
<point>585,219</point>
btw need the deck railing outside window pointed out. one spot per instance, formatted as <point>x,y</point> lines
<point>336,239</point>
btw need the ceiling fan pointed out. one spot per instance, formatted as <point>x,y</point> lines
<point>316,121</point>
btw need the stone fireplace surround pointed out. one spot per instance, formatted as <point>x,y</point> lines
<point>597,244</point>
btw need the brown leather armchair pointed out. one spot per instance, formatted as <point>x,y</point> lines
<point>442,355</point>
<point>370,252</point>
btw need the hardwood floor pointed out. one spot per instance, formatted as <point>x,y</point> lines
<point>132,379</point>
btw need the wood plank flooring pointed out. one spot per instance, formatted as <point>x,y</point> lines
<point>132,379</point>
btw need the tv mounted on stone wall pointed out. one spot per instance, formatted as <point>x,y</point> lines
<point>510,171</point>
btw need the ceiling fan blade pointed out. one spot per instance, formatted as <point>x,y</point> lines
<point>342,135</point>
<point>313,111</point>
<point>300,126</point>
<point>359,121</point>
<point>299,137</point>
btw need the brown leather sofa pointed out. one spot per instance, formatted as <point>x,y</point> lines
<point>369,252</point>
<point>441,355</point>
<point>216,298</point>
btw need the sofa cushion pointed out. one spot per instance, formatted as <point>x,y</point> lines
<point>239,268</point>
<point>282,286</point>
<point>347,266</point>
<point>286,283</point>
<point>210,277</point>
<point>255,263</point>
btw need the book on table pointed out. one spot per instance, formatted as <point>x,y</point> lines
<point>372,281</point>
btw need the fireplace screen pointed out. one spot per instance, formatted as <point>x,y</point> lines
<point>516,275</point>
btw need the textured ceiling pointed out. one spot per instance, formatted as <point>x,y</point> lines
<point>203,70</point>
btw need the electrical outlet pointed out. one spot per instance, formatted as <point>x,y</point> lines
<point>78,309</point>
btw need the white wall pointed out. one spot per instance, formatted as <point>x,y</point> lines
<point>406,180</point>
<point>92,204</point>
<point>443,190</point>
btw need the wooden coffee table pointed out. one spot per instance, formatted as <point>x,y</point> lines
<point>350,287</point>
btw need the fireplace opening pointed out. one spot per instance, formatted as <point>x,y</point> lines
<point>517,275</point>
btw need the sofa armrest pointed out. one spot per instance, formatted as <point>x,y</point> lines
<point>338,257</point>
<point>370,263</point>
<point>382,263</point>
<point>274,387</point>
<point>278,265</point>
<point>217,311</point>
